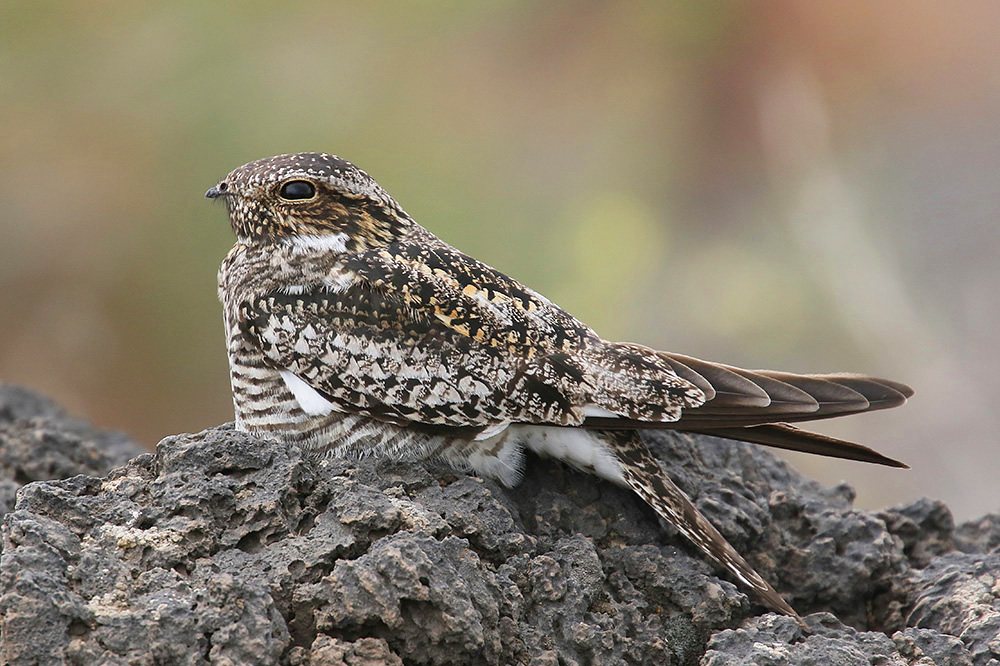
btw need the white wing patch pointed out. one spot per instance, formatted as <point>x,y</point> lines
<point>594,410</point>
<point>491,431</point>
<point>309,399</point>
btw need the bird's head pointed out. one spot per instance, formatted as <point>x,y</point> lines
<point>313,196</point>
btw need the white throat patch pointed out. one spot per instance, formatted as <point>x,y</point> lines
<point>335,243</point>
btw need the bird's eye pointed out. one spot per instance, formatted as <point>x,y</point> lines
<point>297,190</point>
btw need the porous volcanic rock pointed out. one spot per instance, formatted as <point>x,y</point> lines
<point>226,549</point>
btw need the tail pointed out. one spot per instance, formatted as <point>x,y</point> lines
<point>647,479</point>
<point>757,406</point>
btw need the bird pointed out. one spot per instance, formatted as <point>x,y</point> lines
<point>353,331</point>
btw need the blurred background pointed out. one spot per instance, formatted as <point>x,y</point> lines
<point>802,186</point>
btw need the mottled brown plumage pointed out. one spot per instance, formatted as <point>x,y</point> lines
<point>354,331</point>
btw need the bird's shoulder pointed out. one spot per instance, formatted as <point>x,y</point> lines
<point>469,296</point>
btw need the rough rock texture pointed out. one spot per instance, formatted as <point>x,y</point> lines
<point>39,441</point>
<point>225,549</point>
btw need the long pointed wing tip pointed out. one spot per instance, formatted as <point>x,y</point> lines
<point>899,387</point>
<point>880,459</point>
<point>902,389</point>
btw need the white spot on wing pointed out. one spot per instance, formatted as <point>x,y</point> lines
<point>309,399</point>
<point>490,431</point>
<point>594,410</point>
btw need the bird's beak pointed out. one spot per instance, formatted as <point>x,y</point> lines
<point>215,192</point>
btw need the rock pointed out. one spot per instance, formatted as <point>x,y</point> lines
<point>222,548</point>
<point>39,441</point>
<point>957,594</point>
<point>778,641</point>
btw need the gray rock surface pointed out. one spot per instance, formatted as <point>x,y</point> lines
<point>225,549</point>
<point>39,441</point>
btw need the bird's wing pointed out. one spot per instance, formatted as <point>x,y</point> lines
<point>569,371</point>
<point>646,478</point>
<point>738,398</point>
<point>365,354</point>
<point>467,296</point>
<point>424,334</point>
<point>757,406</point>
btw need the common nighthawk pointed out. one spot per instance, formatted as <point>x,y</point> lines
<point>354,331</point>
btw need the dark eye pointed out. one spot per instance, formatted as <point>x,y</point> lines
<point>297,189</point>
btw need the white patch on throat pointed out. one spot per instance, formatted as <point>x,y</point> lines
<point>334,243</point>
<point>309,399</point>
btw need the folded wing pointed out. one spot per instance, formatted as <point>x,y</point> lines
<point>758,406</point>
